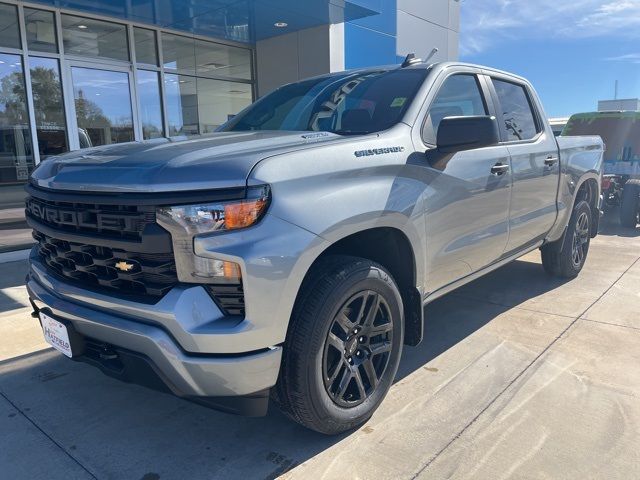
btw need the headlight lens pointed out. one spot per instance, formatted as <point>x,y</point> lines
<point>223,216</point>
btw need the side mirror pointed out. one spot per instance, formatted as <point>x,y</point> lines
<point>457,134</point>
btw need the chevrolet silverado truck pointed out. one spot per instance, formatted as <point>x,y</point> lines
<point>289,256</point>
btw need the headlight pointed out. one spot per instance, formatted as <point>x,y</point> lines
<point>222,216</point>
<point>186,221</point>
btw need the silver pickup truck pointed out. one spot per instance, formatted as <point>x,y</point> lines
<point>290,255</point>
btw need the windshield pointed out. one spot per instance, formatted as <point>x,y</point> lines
<point>347,104</point>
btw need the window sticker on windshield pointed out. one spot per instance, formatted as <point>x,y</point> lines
<point>398,102</point>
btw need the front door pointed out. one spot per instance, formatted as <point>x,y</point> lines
<point>467,199</point>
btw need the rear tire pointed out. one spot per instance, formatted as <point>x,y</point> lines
<point>343,346</point>
<point>630,205</point>
<point>566,257</point>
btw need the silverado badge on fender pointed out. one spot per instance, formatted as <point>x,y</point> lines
<point>378,151</point>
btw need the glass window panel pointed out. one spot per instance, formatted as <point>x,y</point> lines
<point>182,104</point>
<point>103,106</point>
<point>16,154</point>
<point>51,126</point>
<point>150,108</point>
<point>519,120</point>
<point>94,38</point>
<point>178,53</point>
<point>9,33</point>
<point>459,96</point>
<point>146,51</point>
<point>41,30</point>
<point>222,60</point>
<point>218,100</point>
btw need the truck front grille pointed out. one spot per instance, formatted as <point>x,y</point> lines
<point>112,221</point>
<point>111,242</point>
<point>100,267</point>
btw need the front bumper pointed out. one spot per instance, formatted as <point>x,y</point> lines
<point>144,350</point>
<point>196,350</point>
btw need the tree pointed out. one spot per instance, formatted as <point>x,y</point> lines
<point>47,96</point>
<point>13,100</point>
<point>89,114</point>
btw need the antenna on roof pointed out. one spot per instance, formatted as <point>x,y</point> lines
<point>410,60</point>
<point>430,56</point>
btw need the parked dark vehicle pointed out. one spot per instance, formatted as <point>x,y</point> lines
<point>620,132</point>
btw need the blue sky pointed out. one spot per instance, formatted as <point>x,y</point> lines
<point>572,51</point>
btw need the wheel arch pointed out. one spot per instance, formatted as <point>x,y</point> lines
<point>572,189</point>
<point>391,248</point>
<point>589,191</point>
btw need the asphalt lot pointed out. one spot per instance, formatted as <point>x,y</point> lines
<point>520,376</point>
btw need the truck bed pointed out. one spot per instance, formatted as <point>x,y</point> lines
<point>581,154</point>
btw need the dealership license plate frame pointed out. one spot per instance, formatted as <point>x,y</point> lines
<point>56,334</point>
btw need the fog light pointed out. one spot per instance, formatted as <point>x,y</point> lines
<point>217,271</point>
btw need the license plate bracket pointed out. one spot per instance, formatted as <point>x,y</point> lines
<point>61,335</point>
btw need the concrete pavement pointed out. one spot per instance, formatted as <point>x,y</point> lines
<point>14,231</point>
<point>520,376</point>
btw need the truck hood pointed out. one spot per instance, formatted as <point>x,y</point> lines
<point>220,160</point>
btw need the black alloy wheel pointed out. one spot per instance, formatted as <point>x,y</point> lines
<point>357,349</point>
<point>566,256</point>
<point>581,236</point>
<point>343,346</point>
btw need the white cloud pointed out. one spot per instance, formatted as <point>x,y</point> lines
<point>628,58</point>
<point>612,16</point>
<point>488,22</point>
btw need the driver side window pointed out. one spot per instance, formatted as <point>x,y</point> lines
<point>459,96</point>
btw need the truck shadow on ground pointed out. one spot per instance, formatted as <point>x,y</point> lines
<point>456,316</point>
<point>125,431</point>
<point>610,226</point>
<point>13,276</point>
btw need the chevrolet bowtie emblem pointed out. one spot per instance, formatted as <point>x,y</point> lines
<point>124,266</point>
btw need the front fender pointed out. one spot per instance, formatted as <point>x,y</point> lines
<point>333,193</point>
<point>410,227</point>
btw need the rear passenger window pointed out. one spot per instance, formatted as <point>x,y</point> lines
<point>518,119</point>
<point>459,96</point>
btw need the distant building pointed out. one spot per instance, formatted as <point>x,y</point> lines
<point>629,104</point>
<point>558,124</point>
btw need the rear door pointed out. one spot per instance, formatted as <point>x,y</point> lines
<point>466,205</point>
<point>535,164</point>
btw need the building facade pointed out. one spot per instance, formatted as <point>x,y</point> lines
<point>619,105</point>
<point>82,73</point>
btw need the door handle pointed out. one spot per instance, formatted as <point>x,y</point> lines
<point>550,161</point>
<point>499,169</point>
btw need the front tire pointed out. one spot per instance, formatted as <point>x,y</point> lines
<point>343,346</point>
<point>630,205</point>
<point>566,257</point>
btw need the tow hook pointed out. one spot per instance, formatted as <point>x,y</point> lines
<point>107,353</point>
<point>36,312</point>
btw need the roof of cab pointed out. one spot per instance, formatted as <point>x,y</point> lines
<point>437,65</point>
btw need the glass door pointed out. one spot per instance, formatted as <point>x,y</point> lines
<point>103,106</point>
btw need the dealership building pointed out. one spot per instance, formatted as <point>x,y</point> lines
<point>82,73</point>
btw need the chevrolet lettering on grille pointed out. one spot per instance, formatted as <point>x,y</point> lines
<point>64,216</point>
